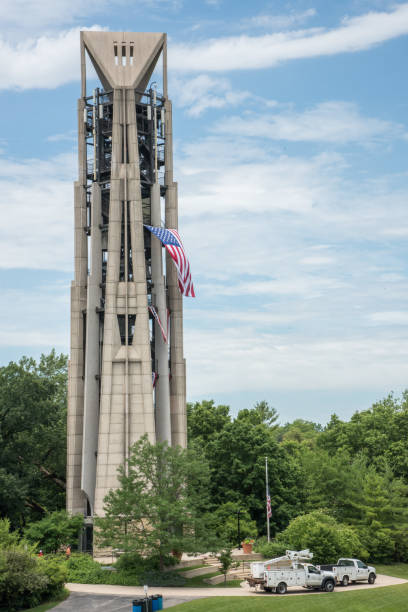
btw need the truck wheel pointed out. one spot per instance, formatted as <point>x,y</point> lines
<point>281,588</point>
<point>329,586</point>
<point>371,578</point>
<point>345,581</point>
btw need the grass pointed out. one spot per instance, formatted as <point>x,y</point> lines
<point>198,582</point>
<point>187,569</point>
<point>399,570</point>
<point>50,604</point>
<point>384,599</point>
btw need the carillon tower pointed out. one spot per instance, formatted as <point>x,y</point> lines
<point>127,369</point>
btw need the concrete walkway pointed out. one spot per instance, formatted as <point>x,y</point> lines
<point>85,602</point>
<point>109,598</point>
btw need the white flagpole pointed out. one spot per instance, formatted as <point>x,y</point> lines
<point>267,493</point>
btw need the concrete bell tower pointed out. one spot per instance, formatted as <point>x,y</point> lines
<point>126,377</point>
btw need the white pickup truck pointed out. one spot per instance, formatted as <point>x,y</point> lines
<point>277,574</point>
<point>304,575</point>
<point>351,570</point>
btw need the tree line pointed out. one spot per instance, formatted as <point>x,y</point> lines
<point>349,474</point>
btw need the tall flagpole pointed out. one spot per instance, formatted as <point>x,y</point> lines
<point>267,497</point>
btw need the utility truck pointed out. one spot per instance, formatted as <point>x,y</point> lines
<point>275,575</point>
<point>351,570</point>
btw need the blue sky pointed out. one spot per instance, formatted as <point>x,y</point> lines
<point>291,142</point>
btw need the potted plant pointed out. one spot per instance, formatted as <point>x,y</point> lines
<point>247,545</point>
<point>177,554</point>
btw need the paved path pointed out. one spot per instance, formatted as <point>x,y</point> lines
<point>109,598</point>
<point>85,602</point>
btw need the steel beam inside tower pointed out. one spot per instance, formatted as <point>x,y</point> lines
<point>117,348</point>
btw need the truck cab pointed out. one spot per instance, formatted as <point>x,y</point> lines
<point>351,570</point>
<point>357,570</point>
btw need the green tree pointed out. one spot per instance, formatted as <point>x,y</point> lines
<point>55,531</point>
<point>159,504</point>
<point>226,562</point>
<point>300,431</point>
<point>327,538</point>
<point>223,521</point>
<point>205,419</point>
<point>379,433</point>
<point>237,460</point>
<point>260,414</point>
<point>32,437</point>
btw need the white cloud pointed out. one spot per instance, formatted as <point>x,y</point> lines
<point>397,232</point>
<point>390,317</point>
<point>38,15</point>
<point>52,60</point>
<point>36,204</point>
<point>252,52</point>
<point>46,62</point>
<point>204,92</point>
<point>333,122</point>
<point>279,22</point>
<point>316,261</point>
<point>214,181</point>
<point>239,360</point>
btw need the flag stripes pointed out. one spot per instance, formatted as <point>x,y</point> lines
<point>157,318</point>
<point>170,238</point>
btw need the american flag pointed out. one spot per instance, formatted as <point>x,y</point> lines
<point>171,240</point>
<point>156,316</point>
<point>155,376</point>
<point>268,505</point>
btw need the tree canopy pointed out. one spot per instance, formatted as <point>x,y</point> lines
<point>32,437</point>
<point>159,503</point>
<point>354,471</point>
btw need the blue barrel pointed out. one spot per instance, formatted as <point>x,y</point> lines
<point>137,605</point>
<point>157,601</point>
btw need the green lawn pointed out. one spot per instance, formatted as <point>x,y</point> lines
<point>384,599</point>
<point>48,606</point>
<point>198,581</point>
<point>399,570</point>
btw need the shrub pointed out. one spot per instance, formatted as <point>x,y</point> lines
<point>55,531</point>
<point>7,539</point>
<point>157,578</point>
<point>83,569</point>
<point>57,574</point>
<point>326,538</point>
<point>270,549</point>
<point>135,563</point>
<point>379,543</point>
<point>22,583</point>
